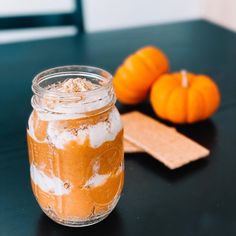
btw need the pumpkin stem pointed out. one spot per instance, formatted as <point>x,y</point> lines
<point>184,78</point>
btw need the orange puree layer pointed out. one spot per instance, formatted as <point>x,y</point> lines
<point>80,168</point>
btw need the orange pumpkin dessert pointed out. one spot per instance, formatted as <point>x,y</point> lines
<point>75,142</point>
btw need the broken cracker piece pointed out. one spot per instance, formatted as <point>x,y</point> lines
<point>131,148</point>
<point>162,142</point>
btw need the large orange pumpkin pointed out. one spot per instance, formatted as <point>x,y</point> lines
<point>135,76</point>
<point>184,97</point>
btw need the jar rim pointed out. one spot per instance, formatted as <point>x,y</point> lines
<point>48,101</point>
<point>83,70</point>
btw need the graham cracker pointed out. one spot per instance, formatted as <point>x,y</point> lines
<point>131,148</point>
<point>164,143</point>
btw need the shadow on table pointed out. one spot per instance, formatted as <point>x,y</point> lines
<point>112,225</point>
<point>204,133</point>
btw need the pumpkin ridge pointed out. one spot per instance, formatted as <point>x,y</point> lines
<point>210,85</point>
<point>129,68</point>
<point>147,65</point>
<point>204,114</point>
<point>167,102</point>
<point>206,102</point>
<point>177,105</point>
<point>156,59</point>
<point>129,95</point>
<point>195,93</point>
<point>187,102</point>
<point>123,74</point>
<point>186,105</point>
<point>159,86</point>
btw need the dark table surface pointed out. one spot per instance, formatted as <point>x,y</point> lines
<point>198,199</point>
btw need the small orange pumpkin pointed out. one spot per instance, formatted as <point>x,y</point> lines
<point>184,97</point>
<point>135,76</point>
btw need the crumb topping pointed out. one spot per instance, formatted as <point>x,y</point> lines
<point>73,86</point>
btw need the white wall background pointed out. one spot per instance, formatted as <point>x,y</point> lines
<point>221,12</point>
<point>26,7</point>
<point>100,15</point>
<point>115,14</point>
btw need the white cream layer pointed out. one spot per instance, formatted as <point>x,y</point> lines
<point>31,128</point>
<point>97,179</point>
<point>52,185</point>
<point>97,134</point>
<point>74,110</point>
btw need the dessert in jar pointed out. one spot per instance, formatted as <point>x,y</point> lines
<point>75,145</point>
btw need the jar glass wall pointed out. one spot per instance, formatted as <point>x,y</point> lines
<point>75,144</point>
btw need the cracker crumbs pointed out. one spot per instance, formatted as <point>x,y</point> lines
<point>73,86</point>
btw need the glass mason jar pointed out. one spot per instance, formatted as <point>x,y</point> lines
<point>75,145</point>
